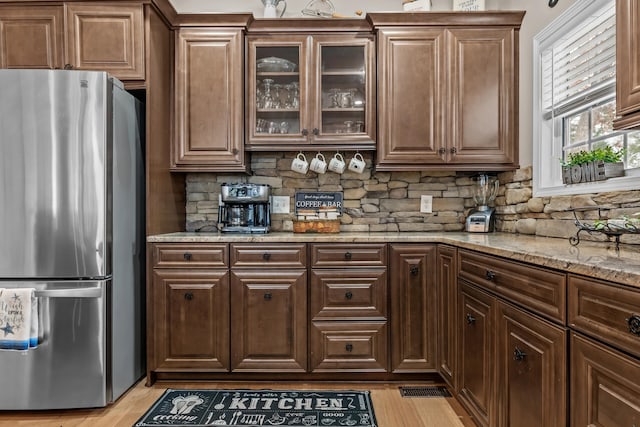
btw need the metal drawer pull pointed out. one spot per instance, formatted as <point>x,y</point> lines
<point>187,256</point>
<point>470,319</point>
<point>349,347</point>
<point>414,270</point>
<point>268,296</point>
<point>266,256</point>
<point>347,255</point>
<point>634,324</point>
<point>490,275</point>
<point>519,355</point>
<point>348,295</point>
<point>188,296</point>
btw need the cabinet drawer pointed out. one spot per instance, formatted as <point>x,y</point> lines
<point>348,346</point>
<point>605,385</point>
<point>330,255</point>
<point>268,255</point>
<point>190,256</point>
<point>347,294</point>
<point>606,311</point>
<point>540,290</point>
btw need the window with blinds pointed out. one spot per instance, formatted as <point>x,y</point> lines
<point>574,97</point>
<point>580,65</point>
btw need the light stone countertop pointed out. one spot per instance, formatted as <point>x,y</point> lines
<point>593,259</point>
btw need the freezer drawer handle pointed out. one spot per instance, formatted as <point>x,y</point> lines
<point>70,293</point>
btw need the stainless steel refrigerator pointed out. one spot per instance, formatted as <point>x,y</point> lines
<point>72,228</point>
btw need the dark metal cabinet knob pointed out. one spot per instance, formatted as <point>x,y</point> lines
<point>519,355</point>
<point>453,150</point>
<point>348,295</point>
<point>348,256</point>
<point>349,347</point>
<point>470,319</point>
<point>414,270</point>
<point>305,132</point>
<point>442,151</point>
<point>266,256</point>
<point>316,131</point>
<point>68,67</point>
<point>490,275</point>
<point>187,256</point>
<point>188,296</point>
<point>634,324</point>
<point>268,296</point>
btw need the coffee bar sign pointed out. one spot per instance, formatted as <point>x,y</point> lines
<point>317,201</point>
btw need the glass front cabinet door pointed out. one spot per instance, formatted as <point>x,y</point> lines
<point>311,91</point>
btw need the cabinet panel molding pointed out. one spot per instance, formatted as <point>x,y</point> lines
<point>627,64</point>
<point>31,37</point>
<point>605,385</point>
<point>531,354</point>
<point>191,320</point>
<point>208,100</point>
<point>121,52</point>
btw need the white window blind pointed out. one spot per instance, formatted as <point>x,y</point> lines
<point>580,64</point>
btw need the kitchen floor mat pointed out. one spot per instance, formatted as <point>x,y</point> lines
<point>237,408</point>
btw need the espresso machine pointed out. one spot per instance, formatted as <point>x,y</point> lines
<point>482,218</point>
<point>244,208</point>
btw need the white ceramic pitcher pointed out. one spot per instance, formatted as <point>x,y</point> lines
<point>270,8</point>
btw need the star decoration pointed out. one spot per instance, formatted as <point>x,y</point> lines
<point>8,329</point>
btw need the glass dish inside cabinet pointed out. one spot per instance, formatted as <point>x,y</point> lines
<point>277,90</point>
<point>343,89</point>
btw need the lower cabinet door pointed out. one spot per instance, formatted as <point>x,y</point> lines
<point>605,385</point>
<point>348,346</point>
<point>531,360</point>
<point>191,320</point>
<point>476,360</point>
<point>268,320</point>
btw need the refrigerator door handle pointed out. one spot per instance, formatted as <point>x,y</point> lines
<point>70,293</point>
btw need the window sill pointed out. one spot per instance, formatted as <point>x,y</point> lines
<point>631,181</point>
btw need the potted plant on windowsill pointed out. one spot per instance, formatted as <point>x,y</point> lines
<point>594,165</point>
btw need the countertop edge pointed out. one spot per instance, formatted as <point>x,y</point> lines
<point>598,260</point>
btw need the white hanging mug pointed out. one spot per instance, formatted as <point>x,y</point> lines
<point>299,164</point>
<point>318,164</point>
<point>337,164</point>
<point>357,163</point>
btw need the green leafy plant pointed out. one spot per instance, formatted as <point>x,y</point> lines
<point>606,154</point>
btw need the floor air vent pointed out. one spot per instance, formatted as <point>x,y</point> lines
<point>431,391</point>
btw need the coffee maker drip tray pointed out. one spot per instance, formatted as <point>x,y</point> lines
<point>244,229</point>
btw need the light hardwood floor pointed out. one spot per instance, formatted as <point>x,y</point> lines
<point>391,409</point>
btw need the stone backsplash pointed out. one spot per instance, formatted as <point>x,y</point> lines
<point>390,201</point>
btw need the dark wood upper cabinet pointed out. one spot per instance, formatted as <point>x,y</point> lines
<point>98,36</point>
<point>208,100</point>
<point>106,37</point>
<point>448,90</point>
<point>627,64</point>
<point>31,37</point>
<point>313,88</point>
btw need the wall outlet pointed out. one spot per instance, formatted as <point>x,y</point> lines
<point>280,204</point>
<point>426,204</point>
